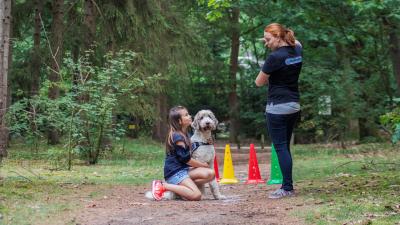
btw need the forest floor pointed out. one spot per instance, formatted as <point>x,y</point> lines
<point>246,204</point>
<point>357,185</point>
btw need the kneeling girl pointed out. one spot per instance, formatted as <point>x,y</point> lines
<point>181,172</point>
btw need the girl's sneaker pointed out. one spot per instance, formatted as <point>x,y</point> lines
<point>157,190</point>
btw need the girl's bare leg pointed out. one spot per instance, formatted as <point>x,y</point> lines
<point>186,189</point>
<point>201,175</point>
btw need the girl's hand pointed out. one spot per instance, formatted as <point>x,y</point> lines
<point>195,163</point>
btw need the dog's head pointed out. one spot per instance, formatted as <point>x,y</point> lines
<point>204,120</point>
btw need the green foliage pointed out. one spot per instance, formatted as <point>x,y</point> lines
<point>86,113</point>
<point>346,57</point>
<point>392,121</point>
<point>21,70</point>
<point>98,91</point>
<point>343,59</point>
<point>216,8</point>
<point>396,135</point>
<point>340,61</point>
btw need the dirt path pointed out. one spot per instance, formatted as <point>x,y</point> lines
<point>246,204</point>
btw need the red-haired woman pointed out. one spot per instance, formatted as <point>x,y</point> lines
<point>281,72</point>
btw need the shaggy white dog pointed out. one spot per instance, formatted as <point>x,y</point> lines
<point>202,145</point>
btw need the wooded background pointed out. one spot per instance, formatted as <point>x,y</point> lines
<point>86,72</point>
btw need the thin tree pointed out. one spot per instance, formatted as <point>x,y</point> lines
<point>394,48</point>
<point>5,29</point>
<point>36,61</point>
<point>89,24</point>
<point>233,70</point>
<point>56,49</point>
<point>159,129</point>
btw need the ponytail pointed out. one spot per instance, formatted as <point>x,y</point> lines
<point>289,37</point>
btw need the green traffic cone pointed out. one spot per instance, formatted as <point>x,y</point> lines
<point>276,173</point>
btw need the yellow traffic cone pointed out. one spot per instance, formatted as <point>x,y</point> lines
<point>229,174</point>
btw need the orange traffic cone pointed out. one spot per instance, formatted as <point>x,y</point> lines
<point>254,176</point>
<point>216,168</point>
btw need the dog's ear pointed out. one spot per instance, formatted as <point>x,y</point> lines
<point>195,123</point>
<point>214,118</point>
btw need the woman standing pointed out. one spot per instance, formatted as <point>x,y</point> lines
<point>281,72</point>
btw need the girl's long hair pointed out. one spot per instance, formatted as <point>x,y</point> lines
<point>174,126</point>
<point>279,31</point>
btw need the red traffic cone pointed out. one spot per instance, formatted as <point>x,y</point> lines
<point>254,176</point>
<point>216,168</point>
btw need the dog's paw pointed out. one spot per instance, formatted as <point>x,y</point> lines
<point>169,195</point>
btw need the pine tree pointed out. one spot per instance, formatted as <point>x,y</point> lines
<point>5,29</point>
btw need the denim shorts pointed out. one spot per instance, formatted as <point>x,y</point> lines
<point>178,177</point>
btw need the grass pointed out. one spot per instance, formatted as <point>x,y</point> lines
<point>358,185</point>
<point>31,201</point>
<point>32,185</point>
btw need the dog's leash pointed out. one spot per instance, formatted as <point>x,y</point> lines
<point>196,145</point>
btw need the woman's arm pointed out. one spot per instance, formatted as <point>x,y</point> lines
<point>262,79</point>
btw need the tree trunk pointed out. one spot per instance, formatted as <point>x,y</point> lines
<point>57,29</point>
<point>10,61</point>
<point>89,24</point>
<point>395,55</point>
<point>36,62</point>
<point>74,18</point>
<point>233,69</point>
<point>89,30</point>
<point>160,128</point>
<point>5,29</point>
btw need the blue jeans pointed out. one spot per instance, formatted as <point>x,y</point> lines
<point>280,127</point>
